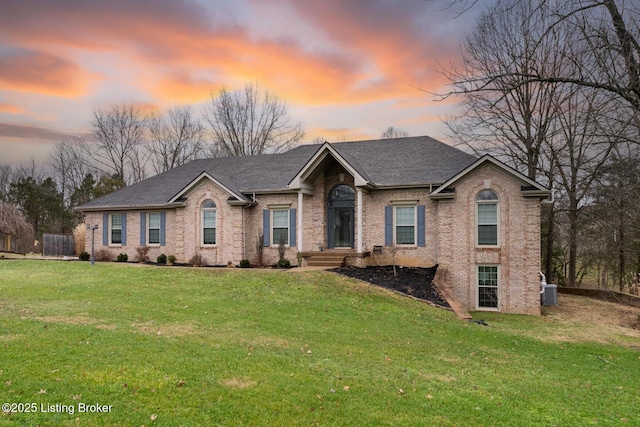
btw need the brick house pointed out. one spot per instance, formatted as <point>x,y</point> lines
<point>415,199</point>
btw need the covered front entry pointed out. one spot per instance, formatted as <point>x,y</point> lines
<point>341,215</point>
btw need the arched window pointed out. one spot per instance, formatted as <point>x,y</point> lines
<point>209,218</point>
<point>487,208</point>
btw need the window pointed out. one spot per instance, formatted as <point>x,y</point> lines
<point>115,229</point>
<point>487,208</point>
<point>404,223</point>
<point>153,228</point>
<point>209,218</point>
<point>487,286</point>
<point>280,226</point>
<point>405,229</point>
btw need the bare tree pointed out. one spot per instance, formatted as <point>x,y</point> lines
<point>582,147</point>
<point>318,140</point>
<point>175,138</point>
<point>393,132</point>
<point>613,210</point>
<point>247,122</point>
<point>70,164</point>
<point>120,135</point>
<point>500,112</point>
<point>609,29</point>
<point>6,177</point>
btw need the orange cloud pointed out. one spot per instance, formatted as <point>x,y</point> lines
<point>182,88</point>
<point>42,73</point>
<point>11,109</point>
<point>374,50</point>
<point>337,134</point>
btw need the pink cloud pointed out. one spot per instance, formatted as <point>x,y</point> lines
<point>40,72</point>
<point>11,109</point>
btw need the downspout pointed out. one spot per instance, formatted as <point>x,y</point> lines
<point>543,282</point>
<point>244,242</point>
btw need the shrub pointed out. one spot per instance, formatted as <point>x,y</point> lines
<point>79,238</point>
<point>284,263</point>
<point>103,255</point>
<point>122,257</point>
<point>244,263</point>
<point>143,253</point>
<point>162,259</point>
<point>84,256</point>
<point>281,248</point>
<point>171,259</point>
<point>197,260</point>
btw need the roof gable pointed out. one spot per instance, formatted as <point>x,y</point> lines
<point>198,180</point>
<point>316,162</point>
<point>530,187</point>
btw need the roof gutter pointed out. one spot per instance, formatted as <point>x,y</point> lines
<point>130,208</point>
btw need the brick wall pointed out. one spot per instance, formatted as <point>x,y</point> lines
<point>254,229</point>
<point>133,235</point>
<point>518,253</point>
<point>229,236</point>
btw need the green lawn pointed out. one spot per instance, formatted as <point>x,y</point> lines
<point>179,346</point>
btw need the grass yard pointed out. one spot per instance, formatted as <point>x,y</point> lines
<point>180,346</point>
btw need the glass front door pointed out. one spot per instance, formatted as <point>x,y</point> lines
<point>341,228</point>
<point>340,224</point>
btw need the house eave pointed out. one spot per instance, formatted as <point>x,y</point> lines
<point>536,194</point>
<point>429,186</point>
<point>131,208</point>
<point>242,203</point>
<point>442,196</point>
<point>250,193</point>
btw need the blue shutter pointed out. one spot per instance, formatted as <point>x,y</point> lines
<point>292,227</point>
<point>388,225</point>
<point>266,230</point>
<point>163,224</point>
<point>421,225</point>
<point>105,229</point>
<point>124,229</point>
<point>143,228</point>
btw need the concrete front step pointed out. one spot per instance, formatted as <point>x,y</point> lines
<point>331,257</point>
<point>325,262</point>
<point>327,258</point>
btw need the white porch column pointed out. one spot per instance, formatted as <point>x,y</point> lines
<point>359,215</point>
<point>300,227</point>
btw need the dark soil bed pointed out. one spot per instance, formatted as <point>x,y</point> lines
<point>413,281</point>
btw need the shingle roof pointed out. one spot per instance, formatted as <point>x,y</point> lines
<point>386,162</point>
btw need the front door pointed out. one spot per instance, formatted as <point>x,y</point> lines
<point>340,224</point>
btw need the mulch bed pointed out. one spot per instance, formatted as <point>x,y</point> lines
<point>413,281</point>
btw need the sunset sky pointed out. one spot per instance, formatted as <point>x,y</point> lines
<point>347,69</point>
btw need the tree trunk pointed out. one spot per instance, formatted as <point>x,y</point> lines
<point>573,241</point>
<point>549,245</point>
<point>621,266</point>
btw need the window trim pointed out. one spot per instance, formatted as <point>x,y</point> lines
<point>215,225</point>
<point>413,205</point>
<point>495,202</point>
<point>111,228</point>
<point>272,223</point>
<point>149,228</point>
<point>497,287</point>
